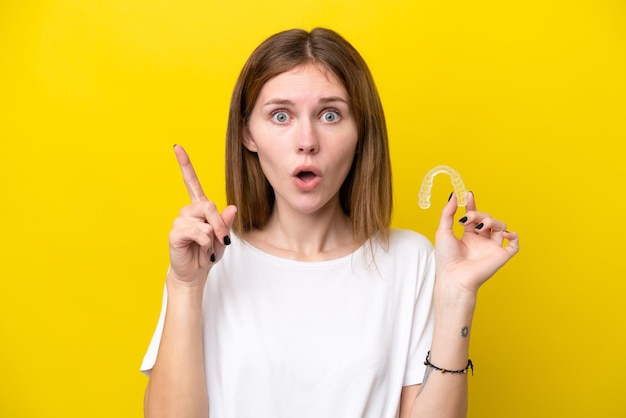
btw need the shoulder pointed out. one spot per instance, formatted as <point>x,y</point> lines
<point>407,261</point>
<point>405,248</point>
<point>406,239</point>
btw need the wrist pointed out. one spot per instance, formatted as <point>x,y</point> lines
<point>452,295</point>
<point>183,289</point>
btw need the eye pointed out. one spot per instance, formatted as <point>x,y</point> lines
<point>330,116</point>
<point>280,116</point>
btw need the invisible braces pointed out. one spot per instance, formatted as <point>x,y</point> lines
<point>427,184</point>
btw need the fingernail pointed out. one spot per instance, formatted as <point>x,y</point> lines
<point>174,146</point>
<point>450,197</point>
<point>226,240</point>
<point>463,219</point>
<point>480,226</point>
<point>212,258</point>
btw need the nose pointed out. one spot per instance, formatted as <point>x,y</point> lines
<point>308,142</point>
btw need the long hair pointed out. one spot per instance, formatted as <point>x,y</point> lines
<point>365,195</point>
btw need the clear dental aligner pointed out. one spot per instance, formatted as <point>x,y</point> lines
<point>427,185</point>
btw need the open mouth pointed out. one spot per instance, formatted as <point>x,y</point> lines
<point>307,178</point>
<point>306,175</point>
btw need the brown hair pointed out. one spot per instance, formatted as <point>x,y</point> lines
<point>366,195</point>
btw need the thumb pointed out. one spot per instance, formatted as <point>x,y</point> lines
<point>228,215</point>
<point>447,215</point>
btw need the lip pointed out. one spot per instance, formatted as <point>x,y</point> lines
<point>308,184</point>
<point>309,168</point>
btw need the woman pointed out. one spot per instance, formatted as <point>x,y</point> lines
<point>297,300</point>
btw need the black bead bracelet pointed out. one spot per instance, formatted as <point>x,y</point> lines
<point>470,365</point>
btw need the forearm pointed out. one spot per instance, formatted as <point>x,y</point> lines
<point>444,395</point>
<point>177,386</point>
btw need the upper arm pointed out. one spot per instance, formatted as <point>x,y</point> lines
<point>409,393</point>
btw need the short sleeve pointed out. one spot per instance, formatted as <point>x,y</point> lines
<point>151,354</point>
<point>422,325</point>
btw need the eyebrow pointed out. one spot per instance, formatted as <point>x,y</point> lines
<point>323,100</point>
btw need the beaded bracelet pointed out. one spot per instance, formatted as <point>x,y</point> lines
<point>470,365</point>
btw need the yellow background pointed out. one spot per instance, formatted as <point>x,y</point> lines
<point>526,99</point>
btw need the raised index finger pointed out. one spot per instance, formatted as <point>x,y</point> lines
<point>189,175</point>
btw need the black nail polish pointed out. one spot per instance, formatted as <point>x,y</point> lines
<point>480,226</point>
<point>463,219</point>
<point>450,197</point>
<point>212,258</point>
<point>226,240</point>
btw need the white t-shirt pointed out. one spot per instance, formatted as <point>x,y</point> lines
<point>339,338</point>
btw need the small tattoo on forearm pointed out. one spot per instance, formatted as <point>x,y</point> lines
<point>465,332</point>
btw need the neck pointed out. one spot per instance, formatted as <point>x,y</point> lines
<point>324,235</point>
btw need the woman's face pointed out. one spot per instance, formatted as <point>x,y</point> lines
<point>303,130</point>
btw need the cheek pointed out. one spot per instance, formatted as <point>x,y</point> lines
<point>258,135</point>
<point>269,159</point>
<point>344,158</point>
<point>347,146</point>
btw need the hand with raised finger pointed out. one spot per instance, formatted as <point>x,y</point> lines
<point>200,233</point>
<point>485,246</point>
<point>195,243</point>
